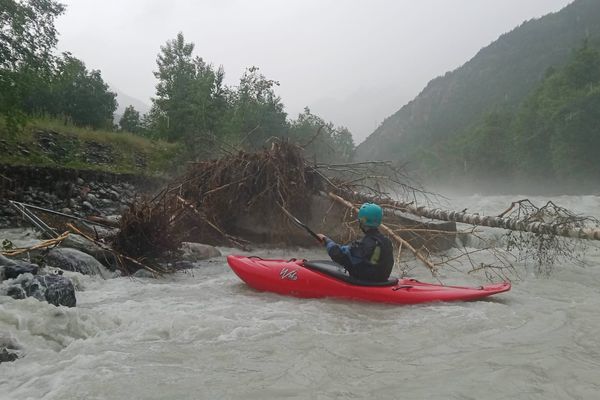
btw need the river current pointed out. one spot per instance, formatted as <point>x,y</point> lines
<point>203,334</point>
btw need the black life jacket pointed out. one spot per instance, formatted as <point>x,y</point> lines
<point>377,255</point>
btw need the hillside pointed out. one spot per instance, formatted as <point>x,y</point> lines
<point>500,76</point>
<point>47,142</point>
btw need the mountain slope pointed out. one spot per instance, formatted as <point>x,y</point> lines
<point>500,75</point>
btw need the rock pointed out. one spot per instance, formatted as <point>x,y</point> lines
<point>55,289</point>
<point>76,261</point>
<point>183,265</point>
<point>10,269</point>
<point>66,210</point>
<point>105,257</point>
<point>89,208</point>
<point>92,198</point>
<point>113,195</point>
<point>80,182</point>
<point>142,273</point>
<point>16,292</point>
<point>196,251</point>
<point>5,356</point>
<point>11,272</point>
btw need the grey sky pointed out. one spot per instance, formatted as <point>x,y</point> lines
<point>353,62</point>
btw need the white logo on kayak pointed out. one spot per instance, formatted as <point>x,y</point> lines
<point>290,274</point>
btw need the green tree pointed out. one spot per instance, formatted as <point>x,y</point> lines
<point>576,139</point>
<point>343,144</point>
<point>554,129</point>
<point>255,112</point>
<point>485,148</point>
<point>130,121</point>
<point>321,141</point>
<point>189,93</point>
<point>81,95</point>
<point>27,38</point>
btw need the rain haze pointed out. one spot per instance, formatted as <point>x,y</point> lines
<point>352,62</point>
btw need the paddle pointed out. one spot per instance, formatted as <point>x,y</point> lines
<point>300,223</point>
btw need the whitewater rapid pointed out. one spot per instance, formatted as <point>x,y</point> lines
<point>204,335</point>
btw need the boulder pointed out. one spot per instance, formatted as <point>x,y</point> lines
<point>10,269</point>
<point>80,243</point>
<point>76,261</point>
<point>197,252</point>
<point>6,356</point>
<point>55,289</point>
<point>142,273</point>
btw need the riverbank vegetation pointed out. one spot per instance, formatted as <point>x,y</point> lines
<point>50,142</point>
<point>193,109</point>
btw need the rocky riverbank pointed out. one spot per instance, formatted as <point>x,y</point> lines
<point>55,275</point>
<point>51,275</point>
<point>75,192</point>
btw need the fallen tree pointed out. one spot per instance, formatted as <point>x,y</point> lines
<point>540,220</point>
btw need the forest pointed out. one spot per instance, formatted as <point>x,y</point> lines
<point>522,110</point>
<point>192,107</point>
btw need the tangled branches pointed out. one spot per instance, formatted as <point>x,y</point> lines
<point>545,249</point>
<point>208,202</point>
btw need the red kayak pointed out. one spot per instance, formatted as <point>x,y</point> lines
<point>314,279</point>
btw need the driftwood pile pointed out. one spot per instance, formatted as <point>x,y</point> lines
<point>207,202</point>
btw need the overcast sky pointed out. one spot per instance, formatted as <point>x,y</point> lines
<point>353,62</point>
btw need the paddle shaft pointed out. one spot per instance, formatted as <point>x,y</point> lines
<point>301,224</point>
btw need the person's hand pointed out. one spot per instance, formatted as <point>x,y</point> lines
<point>322,238</point>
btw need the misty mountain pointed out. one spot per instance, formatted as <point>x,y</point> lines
<point>500,76</point>
<point>363,109</point>
<point>125,101</point>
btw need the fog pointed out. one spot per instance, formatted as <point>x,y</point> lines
<point>352,62</point>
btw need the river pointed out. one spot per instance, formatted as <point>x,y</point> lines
<point>205,335</point>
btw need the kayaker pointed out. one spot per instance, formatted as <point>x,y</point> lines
<point>370,258</point>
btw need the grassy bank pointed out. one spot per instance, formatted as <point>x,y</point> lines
<point>52,142</point>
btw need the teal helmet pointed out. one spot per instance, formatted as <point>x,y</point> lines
<point>370,215</point>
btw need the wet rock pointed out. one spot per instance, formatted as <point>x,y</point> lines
<point>76,261</point>
<point>10,269</point>
<point>142,273</point>
<point>6,356</point>
<point>11,272</point>
<point>113,195</point>
<point>197,252</point>
<point>105,203</point>
<point>55,289</point>
<point>91,198</point>
<point>183,265</point>
<point>105,257</point>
